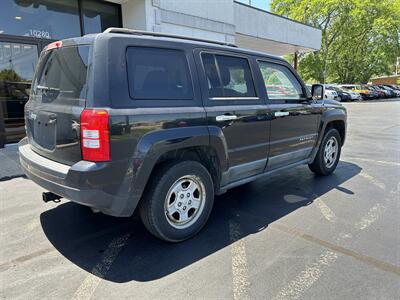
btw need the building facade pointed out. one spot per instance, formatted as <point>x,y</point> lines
<point>394,79</point>
<point>27,26</point>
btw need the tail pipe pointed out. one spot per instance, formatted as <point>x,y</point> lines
<point>49,196</point>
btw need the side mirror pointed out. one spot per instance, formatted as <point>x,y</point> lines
<point>317,91</point>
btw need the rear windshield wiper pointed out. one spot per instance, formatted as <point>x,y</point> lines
<point>46,88</point>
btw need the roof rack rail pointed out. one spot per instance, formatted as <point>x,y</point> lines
<point>160,34</point>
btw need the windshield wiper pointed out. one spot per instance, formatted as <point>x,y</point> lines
<point>46,88</point>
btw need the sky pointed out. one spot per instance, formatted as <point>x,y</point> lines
<point>263,4</point>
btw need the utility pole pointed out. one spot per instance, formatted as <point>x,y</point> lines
<point>295,59</point>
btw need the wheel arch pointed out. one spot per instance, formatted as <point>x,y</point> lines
<point>340,126</point>
<point>333,118</point>
<point>190,143</point>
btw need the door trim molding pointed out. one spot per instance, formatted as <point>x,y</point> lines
<point>238,172</point>
<point>291,157</point>
<point>228,186</point>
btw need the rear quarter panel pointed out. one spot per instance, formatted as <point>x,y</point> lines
<point>142,130</point>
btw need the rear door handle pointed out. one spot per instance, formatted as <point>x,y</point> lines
<point>281,113</point>
<point>223,118</point>
<point>52,119</point>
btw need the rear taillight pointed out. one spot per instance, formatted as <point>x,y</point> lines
<point>95,140</point>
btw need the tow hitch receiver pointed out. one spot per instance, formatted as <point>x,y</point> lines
<point>49,196</point>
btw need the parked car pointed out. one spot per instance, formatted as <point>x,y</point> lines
<point>392,93</point>
<point>382,93</point>
<point>342,95</point>
<point>126,120</point>
<point>365,93</point>
<point>354,95</point>
<point>375,94</point>
<point>389,93</point>
<point>330,94</point>
<point>394,89</point>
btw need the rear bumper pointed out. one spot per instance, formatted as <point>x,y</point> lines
<point>80,183</point>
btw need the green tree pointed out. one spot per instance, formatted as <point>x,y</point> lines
<point>360,38</point>
<point>10,75</point>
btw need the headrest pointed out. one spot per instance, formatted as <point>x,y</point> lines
<point>212,75</point>
<point>225,75</point>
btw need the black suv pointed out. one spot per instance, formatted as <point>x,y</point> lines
<point>126,119</point>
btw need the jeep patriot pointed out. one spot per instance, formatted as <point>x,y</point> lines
<point>126,120</point>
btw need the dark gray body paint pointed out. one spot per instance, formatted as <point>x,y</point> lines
<point>257,143</point>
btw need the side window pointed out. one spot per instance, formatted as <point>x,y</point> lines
<point>280,83</point>
<point>158,74</point>
<point>228,76</point>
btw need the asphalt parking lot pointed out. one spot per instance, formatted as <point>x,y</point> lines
<point>291,236</point>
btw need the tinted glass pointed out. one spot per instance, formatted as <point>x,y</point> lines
<point>50,19</point>
<point>99,16</point>
<point>213,80</point>
<point>17,61</point>
<point>158,74</point>
<point>280,83</point>
<point>228,76</point>
<point>62,75</point>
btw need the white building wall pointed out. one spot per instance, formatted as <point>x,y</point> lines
<point>205,19</point>
<point>217,10</point>
<point>221,20</point>
<point>261,25</point>
<point>134,14</point>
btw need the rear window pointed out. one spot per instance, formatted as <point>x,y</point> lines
<point>158,74</point>
<point>62,75</point>
<point>228,76</point>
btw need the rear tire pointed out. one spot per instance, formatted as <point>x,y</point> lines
<point>328,154</point>
<point>178,201</point>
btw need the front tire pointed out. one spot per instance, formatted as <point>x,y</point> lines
<point>328,154</point>
<point>178,202</point>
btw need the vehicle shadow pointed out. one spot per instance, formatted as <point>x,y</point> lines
<point>85,238</point>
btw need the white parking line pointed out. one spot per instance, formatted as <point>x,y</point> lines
<point>313,272</point>
<point>373,180</point>
<point>308,277</point>
<point>240,272</point>
<point>382,162</point>
<point>99,271</point>
<point>373,214</point>
<point>325,210</point>
<point>35,223</point>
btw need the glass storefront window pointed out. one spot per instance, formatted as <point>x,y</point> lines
<point>42,21</point>
<point>49,19</point>
<point>17,65</point>
<point>56,19</point>
<point>18,59</point>
<point>98,16</point>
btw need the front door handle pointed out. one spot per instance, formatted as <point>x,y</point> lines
<point>281,113</point>
<point>223,118</point>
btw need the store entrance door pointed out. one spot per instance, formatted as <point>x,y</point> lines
<point>18,59</point>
